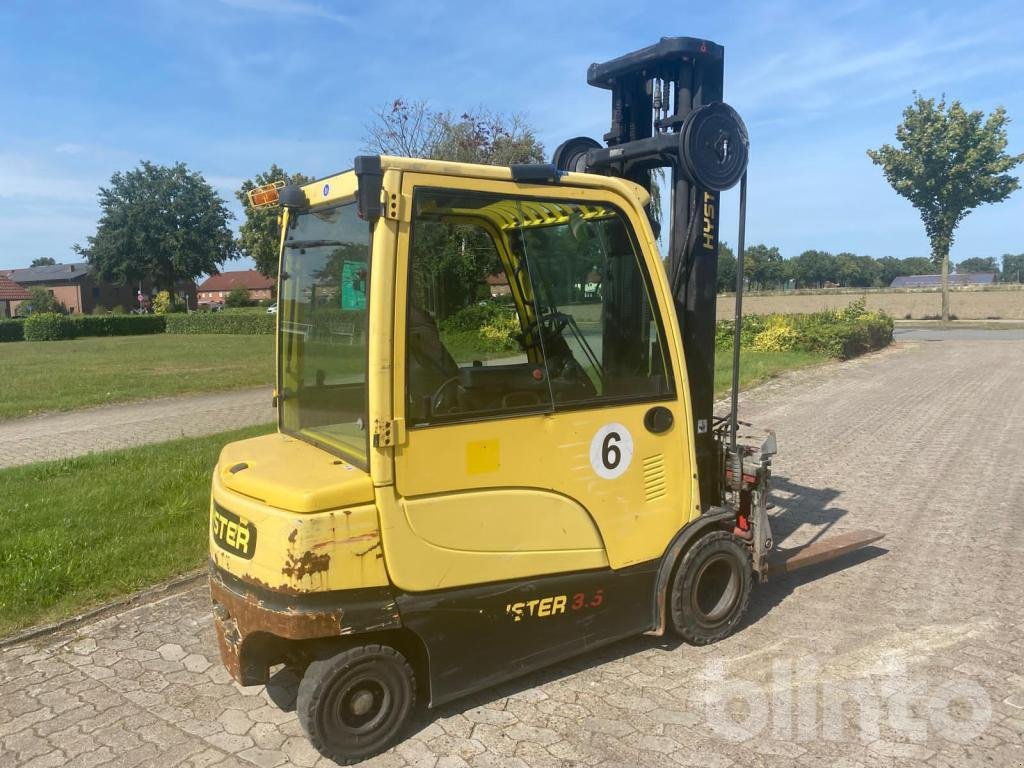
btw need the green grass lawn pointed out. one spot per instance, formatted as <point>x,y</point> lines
<point>756,367</point>
<point>64,375</point>
<point>76,532</point>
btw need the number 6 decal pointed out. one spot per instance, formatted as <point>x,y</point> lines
<point>611,451</point>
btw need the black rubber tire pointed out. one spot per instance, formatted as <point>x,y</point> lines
<point>711,588</point>
<point>333,690</point>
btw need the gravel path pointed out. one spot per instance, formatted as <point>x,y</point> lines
<point>906,654</point>
<point>61,435</point>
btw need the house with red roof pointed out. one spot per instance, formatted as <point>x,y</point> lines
<point>10,291</point>
<point>216,288</point>
<point>79,290</point>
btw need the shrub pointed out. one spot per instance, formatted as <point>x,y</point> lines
<point>842,333</point>
<point>164,303</point>
<point>227,321</point>
<point>117,325</point>
<point>487,326</point>
<point>501,332</point>
<point>12,330</point>
<point>118,309</point>
<point>476,316</point>
<point>43,301</point>
<point>777,337</point>
<point>48,326</point>
<point>237,297</point>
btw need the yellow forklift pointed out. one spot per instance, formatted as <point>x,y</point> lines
<point>496,446</point>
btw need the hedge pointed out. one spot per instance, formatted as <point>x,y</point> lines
<point>117,325</point>
<point>841,333</point>
<point>12,330</point>
<point>225,321</point>
<point>48,326</point>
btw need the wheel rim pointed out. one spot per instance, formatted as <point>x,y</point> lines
<point>716,590</point>
<point>360,705</point>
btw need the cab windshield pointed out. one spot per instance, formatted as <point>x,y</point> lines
<point>322,330</point>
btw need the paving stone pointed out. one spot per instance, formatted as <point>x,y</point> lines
<point>25,744</point>
<point>84,647</point>
<point>229,742</point>
<point>195,662</point>
<point>267,736</point>
<point>235,721</point>
<point>171,651</point>
<point>300,751</point>
<point>265,758</point>
<point>902,441</point>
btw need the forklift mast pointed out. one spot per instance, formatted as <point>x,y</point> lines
<point>667,112</point>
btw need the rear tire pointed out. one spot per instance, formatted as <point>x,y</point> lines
<point>356,703</point>
<point>711,588</point>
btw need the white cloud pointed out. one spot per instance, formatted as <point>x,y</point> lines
<point>23,179</point>
<point>69,148</point>
<point>224,183</point>
<point>287,8</point>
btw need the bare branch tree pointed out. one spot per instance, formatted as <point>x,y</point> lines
<point>403,128</point>
<point>413,129</point>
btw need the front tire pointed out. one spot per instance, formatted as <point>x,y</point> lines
<point>711,588</point>
<point>356,703</point>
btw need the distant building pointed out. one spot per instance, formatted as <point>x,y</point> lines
<point>498,285</point>
<point>74,286</point>
<point>935,281</point>
<point>10,292</point>
<point>216,288</point>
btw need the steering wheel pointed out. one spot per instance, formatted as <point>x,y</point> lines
<point>437,400</point>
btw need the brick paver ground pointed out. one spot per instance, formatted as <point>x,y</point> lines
<point>921,637</point>
<point>60,435</point>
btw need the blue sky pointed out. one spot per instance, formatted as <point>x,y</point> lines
<point>230,86</point>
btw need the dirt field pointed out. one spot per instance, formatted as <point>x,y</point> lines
<point>1003,304</point>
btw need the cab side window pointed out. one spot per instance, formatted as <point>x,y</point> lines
<point>523,306</point>
<point>469,302</point>
<point>595,304</point>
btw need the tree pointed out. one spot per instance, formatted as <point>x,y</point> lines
<point>812,268</point>
<point>259,237</point>
<point>413,129</point>
<point>1013,267</point>
<point>159,224</point>
<point>764,266</point>
<point>44,301</point>
<point>726,268</point>
<point>917,265</point>
<point>237,297</point>
<point>978,264</point>
<point>890,268</point>
<point>853,271</point>
<point>453,258</point>
<point>43,261</point>
<point>948,162</point>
